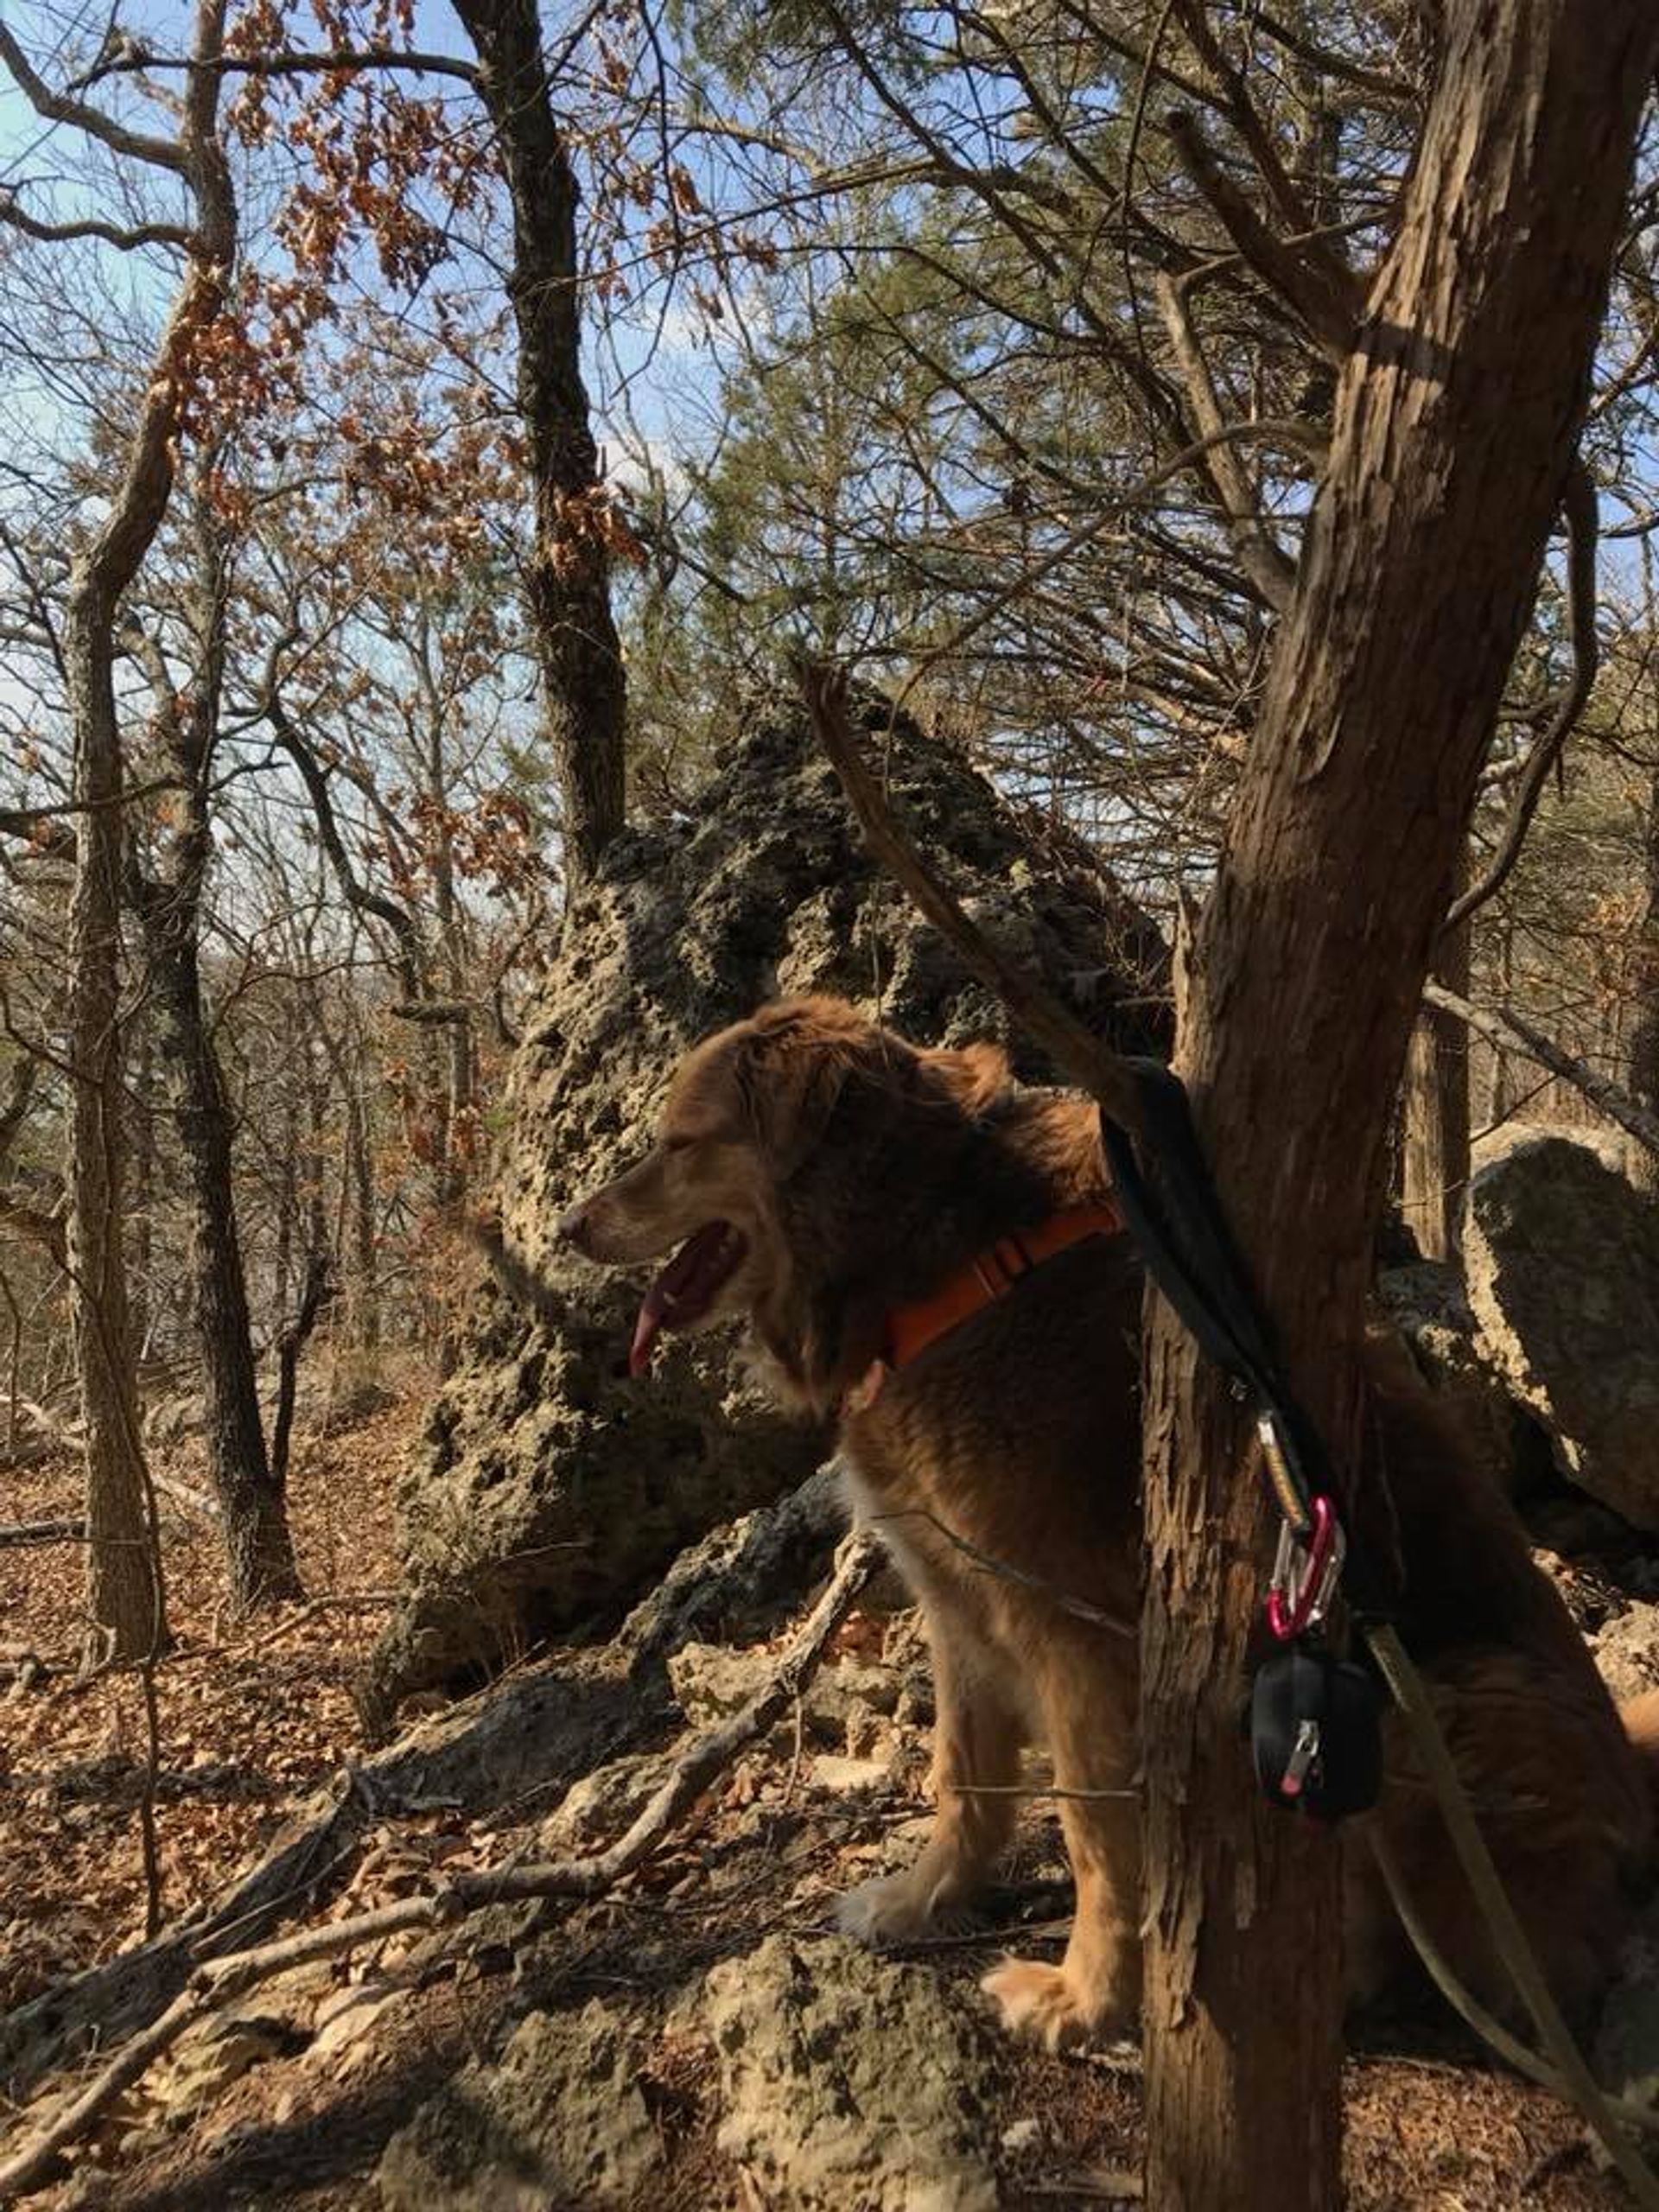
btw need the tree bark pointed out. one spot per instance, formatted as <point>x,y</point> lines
<point>1434,1136</point>
<point>123,1594</point>
<point>123,1597</point>
<point>259,1552</point>
<point>581,659</point>
<point>1643,1071</point>
<point>365,1334</point>
<point>143,1081</point>
<point>1454,431</point>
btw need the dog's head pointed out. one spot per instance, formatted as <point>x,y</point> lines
<point>766,1145</point>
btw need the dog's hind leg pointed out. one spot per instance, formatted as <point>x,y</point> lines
<point>1098,1984</point>
<point>976,1743</point>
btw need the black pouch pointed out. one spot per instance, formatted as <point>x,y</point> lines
<point>1316,1732</point>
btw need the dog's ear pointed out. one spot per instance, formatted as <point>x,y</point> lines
<point>790,1075</point>
<point>975,1078</point>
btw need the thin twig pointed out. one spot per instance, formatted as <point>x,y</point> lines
<point>1078,1607</point>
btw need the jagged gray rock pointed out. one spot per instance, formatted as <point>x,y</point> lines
<point>1561,1256</point>
<point>848,2079</point>
<point>547,1487</point>
<point>557,2118</point>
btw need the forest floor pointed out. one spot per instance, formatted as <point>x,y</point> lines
<point>255,1716</point>
<point>252,1716</point>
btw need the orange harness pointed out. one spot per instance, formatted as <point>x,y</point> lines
<point>990,1275</point>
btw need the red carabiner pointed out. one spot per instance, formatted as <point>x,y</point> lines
<point>1300,1592</point>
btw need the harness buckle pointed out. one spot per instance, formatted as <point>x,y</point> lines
<point>1305,1574</point>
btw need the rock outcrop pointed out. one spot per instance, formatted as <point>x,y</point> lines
<point>846,2080</point>
<point>1561,1257</point>
<point>557,2119</point>
<point>548,1487</point>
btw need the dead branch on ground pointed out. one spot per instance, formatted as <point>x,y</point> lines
<point>221,1981</point>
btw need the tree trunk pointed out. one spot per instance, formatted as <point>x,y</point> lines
<point>359,1171</point>
<point>123,1594</point>
<point>144,1195</point>
<point>1435,1137</point>
<point>123,1588</point>
<point>1643,1071</point>
<point>288,1183</point>
<point>259,1548</point>
<point>1502,1089</point>
<point>1454,429</point>
<point>259,1552</point>
<point>569,577</point>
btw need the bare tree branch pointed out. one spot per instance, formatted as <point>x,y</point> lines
<point>141,234</point>
<point>1511,1033</point>
<point>1268,567</point>
<point>1579,501</point>
<point>358,894</point>
<point>63,107</point>
<point>1313,288</point>
<point>335,60</point>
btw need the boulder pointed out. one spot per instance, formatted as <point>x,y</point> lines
<point>848,2079</point>
<point>1561,1258</point>
<point>1627,1651</point>
<point>1424,1300</point>
<point>548,1487</point>
<point>557,2120</point>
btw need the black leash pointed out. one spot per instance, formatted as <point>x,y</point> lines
<point>1190,1256</point>
<point>1315,1719</point>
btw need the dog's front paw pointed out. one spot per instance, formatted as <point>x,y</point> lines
<point>1049,2004</point>
<point>892,1909</point>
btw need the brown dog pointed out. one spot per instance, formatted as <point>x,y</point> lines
<point>922,1247</point>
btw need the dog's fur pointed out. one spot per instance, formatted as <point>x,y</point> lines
<point>859,1172</point>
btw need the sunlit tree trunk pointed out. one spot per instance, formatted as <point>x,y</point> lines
<point>568,580</point>
<point>123,1592</point>
<point>1455,424</point>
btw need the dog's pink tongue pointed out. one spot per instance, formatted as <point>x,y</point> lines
<point>646,1329</point>
<point>684,1290</point>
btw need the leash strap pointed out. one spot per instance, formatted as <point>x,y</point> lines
<point>1315,1720</point>
<point>1190,1256</point>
